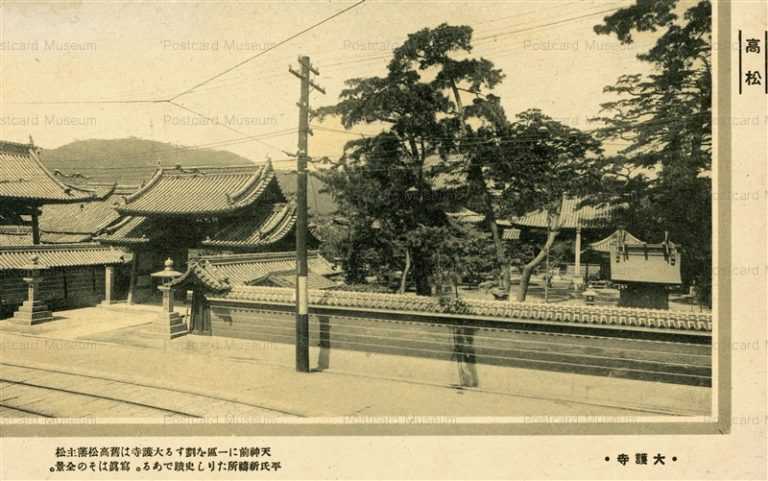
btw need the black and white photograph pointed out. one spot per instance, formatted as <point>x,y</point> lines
<point>366,214</point>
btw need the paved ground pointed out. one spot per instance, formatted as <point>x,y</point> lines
<point>41,392</point>
<point>109,356</point>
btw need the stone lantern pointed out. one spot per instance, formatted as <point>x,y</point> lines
<point>33,310</point>
<point>589,297</point>
<point>169,323</point>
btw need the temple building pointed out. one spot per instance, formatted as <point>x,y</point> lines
<point>26,185</point>
<point>35,277</point>
<point>83,221</point>
<point>72,222</point>
<point>468,216</point>
<point>643,271</point>
<point>208,275</point>
<point>574,219</point>
<point>184,213</point>
<point>72,275</point>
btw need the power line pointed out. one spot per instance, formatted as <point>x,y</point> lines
<point>558,22</point>
<point>215,121</point>
<point>372,58</point>
<point>438,139</point>
<point>209,79</point>
<point>478,41</point>
<point>263,52</point>
<point>69,102</point>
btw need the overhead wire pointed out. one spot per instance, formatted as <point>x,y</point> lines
<point>384,56</point>
<point>171,100</point>
<point>222,143</point>
<point>267,50</point>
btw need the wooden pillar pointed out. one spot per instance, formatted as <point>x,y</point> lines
<point>35,226</point>
<point>578,251</point>
<point>577,270</point>
<point>109,285</point>
<point>132,281</point>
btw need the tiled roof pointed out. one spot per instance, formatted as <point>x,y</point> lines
<point>69,222</point>
<point>65,255</point>
<point>599,316</point>
<point>205,274</point>
<point>288,279</point>
<point>219,272</point>
<point>182,192</point>
<point>15,235</point>
<point>646,263</point>
<point>467,216</point>
<point>571,216</point>
<point>23,177</point>
<point>63,238</point>
<point>128,230</point>
<point>510,234</point>
<point>604,245</point>
<point>269,224</point>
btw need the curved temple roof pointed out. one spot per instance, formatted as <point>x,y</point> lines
<point>78,222</point>
<point>24,178</point>
<point>63,255</point>
<point>222,272</point>
<point>604,245</point>
<point>270,224</point>
<point>208,192</point>
<point>128,230</point>
<point>572,215</point>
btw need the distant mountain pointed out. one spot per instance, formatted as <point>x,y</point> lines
<point>132,161</point>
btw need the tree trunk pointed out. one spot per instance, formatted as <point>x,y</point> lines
<point>490,215</point>
<point>421,276</point>
<point>406,269</point>
<point>525,277</point>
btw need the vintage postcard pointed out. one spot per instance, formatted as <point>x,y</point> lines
<point>339,239</point>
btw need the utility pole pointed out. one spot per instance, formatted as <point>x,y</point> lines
<point>302,294</point>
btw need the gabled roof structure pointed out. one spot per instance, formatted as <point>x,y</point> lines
<point>128,230</point>
<point>65,255</point>
<point>617,238</point>
<point>199,192</point>
<point>24,179</point>
<point>81,222</point>
<point>572,216</point>
<point>221,272</point>
<point>270,223</point>
<point>288,279</point>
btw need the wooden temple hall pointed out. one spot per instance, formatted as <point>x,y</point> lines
<point>70,246</point>
<point>34,276</point>
<point>181,214</point>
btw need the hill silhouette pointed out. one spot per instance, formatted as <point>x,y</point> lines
<point>132,161</point>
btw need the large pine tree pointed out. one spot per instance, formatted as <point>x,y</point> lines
<point>665,117</point>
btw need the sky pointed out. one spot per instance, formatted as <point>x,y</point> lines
<point>88,52</point>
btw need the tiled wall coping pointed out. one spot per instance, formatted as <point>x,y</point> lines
<point>399,303</point>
